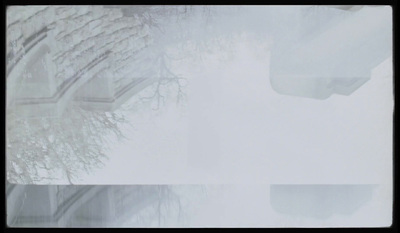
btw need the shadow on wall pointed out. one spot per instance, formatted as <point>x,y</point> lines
<point>319,201</point>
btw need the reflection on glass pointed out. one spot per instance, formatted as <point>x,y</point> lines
<point>197,94</point>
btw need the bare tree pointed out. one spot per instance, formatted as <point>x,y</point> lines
<point>40,150</point>
<point>172,206</point>
<point>167,80</point>
<point>172,29</point>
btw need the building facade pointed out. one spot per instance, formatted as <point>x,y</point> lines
<point>90,55</point>
<point>79,205</point>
